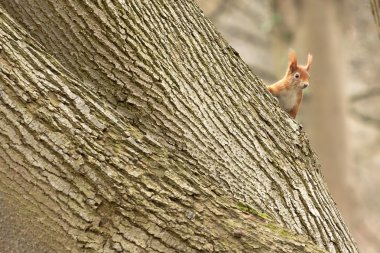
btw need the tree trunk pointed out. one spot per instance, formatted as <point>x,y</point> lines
<point>134,127</point>
<point>326,122</point>
<point>245,25</point>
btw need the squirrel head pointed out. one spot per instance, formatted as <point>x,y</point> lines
<point>298,76</point>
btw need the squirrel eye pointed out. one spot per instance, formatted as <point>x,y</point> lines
<point>297,75</point>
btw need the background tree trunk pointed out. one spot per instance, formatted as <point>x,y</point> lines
<point>324,113</point>
<point>375,6</point>
<point>327,119</point>
<point>135,127</point>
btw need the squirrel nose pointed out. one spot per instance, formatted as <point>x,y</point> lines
<point>305,85</point>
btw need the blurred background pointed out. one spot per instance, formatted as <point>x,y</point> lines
<point>341,108</point>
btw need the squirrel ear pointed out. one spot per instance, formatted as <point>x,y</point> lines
<point>309,60</point>
<point>292,61</point>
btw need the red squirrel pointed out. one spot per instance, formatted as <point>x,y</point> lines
<point>289,90</point>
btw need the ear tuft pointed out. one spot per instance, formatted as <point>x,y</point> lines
<point>292,61</point>
<point>309,61</point>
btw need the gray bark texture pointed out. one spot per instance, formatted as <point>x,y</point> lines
<point>132,126</point>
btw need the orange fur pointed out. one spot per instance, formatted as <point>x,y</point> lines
<point>289,90</point>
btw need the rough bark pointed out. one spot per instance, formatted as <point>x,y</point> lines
<point>375,6</point>
<point>134,127</point>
